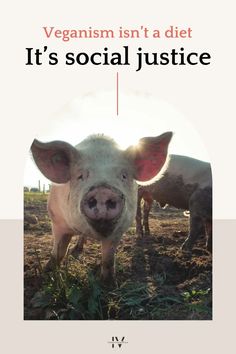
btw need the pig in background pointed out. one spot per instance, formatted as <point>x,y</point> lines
<point>95,190</point>
<point>186,184</point>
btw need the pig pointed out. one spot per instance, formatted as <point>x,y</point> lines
<point>94,190</point>
<point>186,184</point>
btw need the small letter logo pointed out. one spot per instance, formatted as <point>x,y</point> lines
<point>116,342</point>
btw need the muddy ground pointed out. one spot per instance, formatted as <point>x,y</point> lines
<point>155,280</point>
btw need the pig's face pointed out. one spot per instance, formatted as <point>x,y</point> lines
<point>103,189</point>
<point>102,196</point>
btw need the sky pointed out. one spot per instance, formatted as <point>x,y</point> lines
<point>139,115</point>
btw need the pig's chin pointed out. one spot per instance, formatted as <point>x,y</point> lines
<point>103,227</point>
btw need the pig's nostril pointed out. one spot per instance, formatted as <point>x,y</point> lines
<point>92,202</point>
<point>111,204</point>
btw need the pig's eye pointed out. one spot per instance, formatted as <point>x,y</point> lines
<point>124,175</point>
<point>83,175</point>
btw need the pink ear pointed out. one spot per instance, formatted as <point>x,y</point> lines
<point>53,159</point>
<point>149,156</point>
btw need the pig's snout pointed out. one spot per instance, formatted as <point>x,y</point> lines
<point>102,203</point>
<point>102,206</point>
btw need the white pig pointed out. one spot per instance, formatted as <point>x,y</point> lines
<point>94,193</point>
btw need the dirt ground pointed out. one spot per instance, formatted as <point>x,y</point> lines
<point>155,280</point>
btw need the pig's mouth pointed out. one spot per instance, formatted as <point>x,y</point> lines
<point>102,207</point>
<point>102,226</point>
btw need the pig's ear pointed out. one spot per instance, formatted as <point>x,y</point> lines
<point>54,159</point>
<point>149,156</point>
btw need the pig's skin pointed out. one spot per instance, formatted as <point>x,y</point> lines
<point>98,167</point>
<point>186,184</point>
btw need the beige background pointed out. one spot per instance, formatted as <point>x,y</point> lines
<point>206,95</point>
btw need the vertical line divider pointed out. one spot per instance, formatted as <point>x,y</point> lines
<point>117,93</point>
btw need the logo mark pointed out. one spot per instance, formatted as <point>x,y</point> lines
<point>116,342</point>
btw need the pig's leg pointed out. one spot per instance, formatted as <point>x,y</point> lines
<point>77,250</point>
<point>139,228</point>
<point>62,237</point>
<point>196,222</point>
<point>146,210</point>
<point>108,254</point>
<point>200,207</point>
<point>196,229</point>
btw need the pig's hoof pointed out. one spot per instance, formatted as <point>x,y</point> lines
<point>111,284</point>
<point>108,281</point>
<point>75,254</point>
<point>50,266</point>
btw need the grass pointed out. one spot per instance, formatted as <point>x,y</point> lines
<point>36,219</point>
<point>152,281</point>
<point>35,197</point>
<point>74,292</point>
